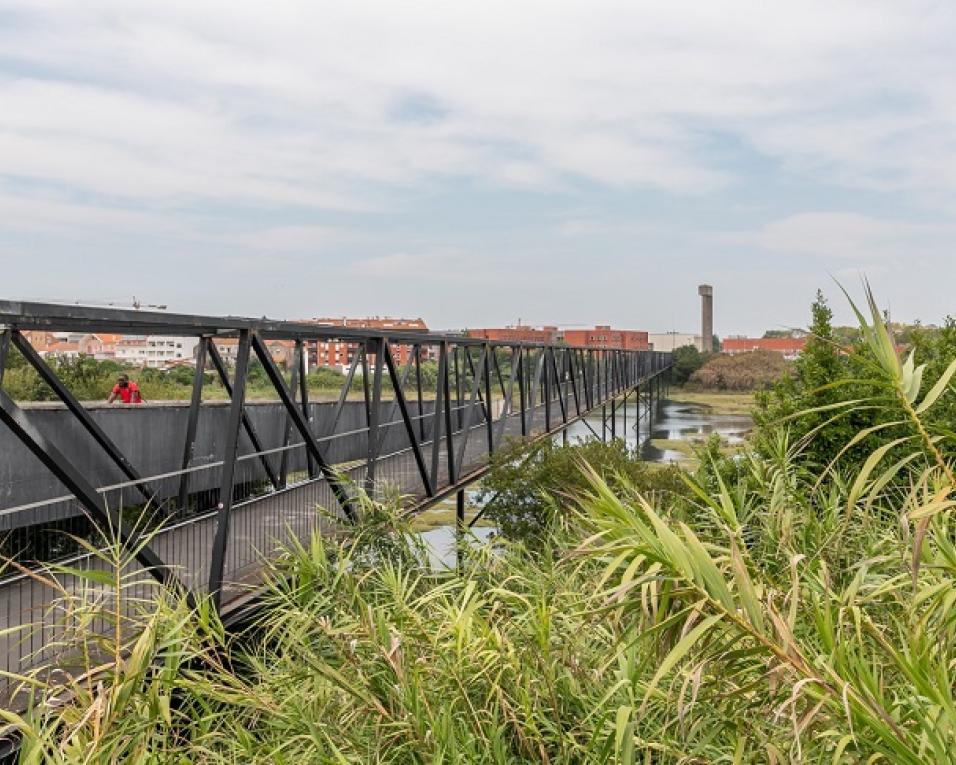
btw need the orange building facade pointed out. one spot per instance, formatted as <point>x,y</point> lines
<point>517,334</point>
<point>339,353</point>
<point>603,336</point>
<point>788,347</point>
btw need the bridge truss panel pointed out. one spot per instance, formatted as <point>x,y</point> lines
<point>215,486</point>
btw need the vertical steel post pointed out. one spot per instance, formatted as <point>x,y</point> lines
<point>366,385</point>
<point>458,386</point>
<point>220,367</point>
<point>192,424</point>
<point>521,391</point>
<point>439,411</point>
<point>486,371</point>
<point>231,449</point>
<point>449,433</point>
<point>469,413</point>
<point>375,418</point>
<point>418,387</point>
<point>624,415</point>
<point>604,423</point>
<point>306,408</point>
<point>287,431</point>
<point>4,350</point>
<point>546,371</point>
<point>637,415</point>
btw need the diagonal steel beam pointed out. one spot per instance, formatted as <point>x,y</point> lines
<point>560,387</point>
<point>534,386</point>
<point>295,387</point>
<point>572,363</point>
<point>227,482</point>
<point>192,424</point>
<point>393,408</point>
<point>469,412</point>
<point>508,397</point>
<point>485,410</point>
<point>89,424</point>
<point>409,425</point>
<point>302,425</point>
<point>220,367</point>
<point>304,400</point>
<point>344,392</point>
<point>4,351</point>
<point>70,476</point>
<point>441,386</point>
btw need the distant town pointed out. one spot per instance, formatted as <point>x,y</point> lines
<point>166,352</point>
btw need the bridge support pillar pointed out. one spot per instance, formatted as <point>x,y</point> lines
<point>637,415</point>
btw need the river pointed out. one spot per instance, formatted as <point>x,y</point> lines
<point>675,424</point>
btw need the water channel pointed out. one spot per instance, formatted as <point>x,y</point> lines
<point>675,424</point>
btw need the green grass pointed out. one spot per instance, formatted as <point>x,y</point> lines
<point>682,446</point>
<point>717,403</point>
<point>776,612</point>
<point>441,514</point>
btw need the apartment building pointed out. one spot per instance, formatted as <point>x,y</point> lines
<point>340,353</point>
<point>788,347</point>
<point>155,351</point>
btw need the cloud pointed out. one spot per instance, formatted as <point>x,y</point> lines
<point>419,266</point>
<point>299,103</point>
<point>840,236</point>
<point>565,139</point>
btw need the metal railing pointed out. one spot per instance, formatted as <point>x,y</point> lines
<point>264,468</point>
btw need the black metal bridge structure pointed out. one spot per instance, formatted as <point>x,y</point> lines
<point>232,481</point>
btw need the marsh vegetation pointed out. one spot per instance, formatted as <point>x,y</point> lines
<point>793,603</point>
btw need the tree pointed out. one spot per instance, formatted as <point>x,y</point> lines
<point>829,370</point>
<point>529,483</point>
<point>687,360</point>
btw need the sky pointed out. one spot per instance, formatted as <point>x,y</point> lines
<point>479,163</point>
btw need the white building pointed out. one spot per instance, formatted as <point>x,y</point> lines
<point>155,350</point>
<point>668,341</point>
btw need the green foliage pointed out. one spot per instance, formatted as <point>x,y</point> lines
<point>778,333</point>
<point>775,612</point>
<point>741,372</point>
<point>325,378</point>
<point>86,377</point>
<point>687,360</point>
<point>528,486</point>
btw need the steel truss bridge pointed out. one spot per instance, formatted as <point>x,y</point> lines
<point>235,480</point>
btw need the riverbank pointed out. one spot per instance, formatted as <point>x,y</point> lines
<point>686,419</point>
<point>715,401</point>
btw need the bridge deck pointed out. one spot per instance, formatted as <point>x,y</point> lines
<point>244,490</point>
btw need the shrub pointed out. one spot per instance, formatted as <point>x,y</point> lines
<point>687,360</point>
<point>742,372</point>
<point>529,485</point>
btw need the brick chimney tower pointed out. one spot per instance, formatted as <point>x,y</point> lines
<point>706,293</point>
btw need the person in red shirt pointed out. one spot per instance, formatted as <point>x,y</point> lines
<point>127,391</point>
